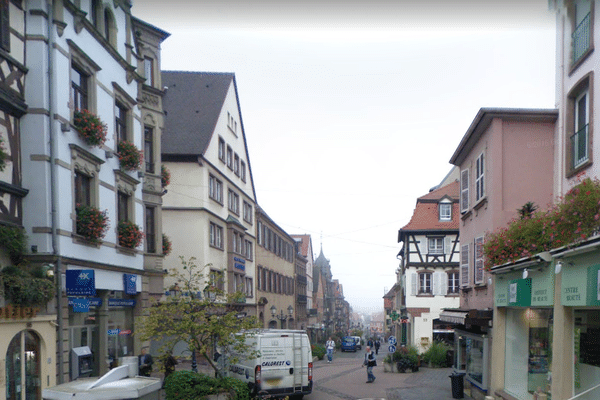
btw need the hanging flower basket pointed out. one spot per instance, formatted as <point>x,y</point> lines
<point>92,223</point>
<point>165,176</point>
<point>129,156</point>
<point>130,235</point>
<point>90,127</point>
<point>4,156</point>
<point>167,246</point>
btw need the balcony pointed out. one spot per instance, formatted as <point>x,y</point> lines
<point>301,299</point>
<point>580,39</point>
<point>301,279</point>
<point>579,144</point>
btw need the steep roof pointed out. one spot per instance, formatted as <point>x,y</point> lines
<point>426,214</point>
<point>192,104</point>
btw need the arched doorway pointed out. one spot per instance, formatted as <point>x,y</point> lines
<point>23,381</point>
<point>272,324</point>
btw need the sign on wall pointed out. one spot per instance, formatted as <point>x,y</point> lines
<point>80,282</point>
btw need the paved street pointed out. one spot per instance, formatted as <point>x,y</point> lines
<point>345,379</point>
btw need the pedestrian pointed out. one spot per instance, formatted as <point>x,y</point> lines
<point>370,342</point>
<point>145,363</point>
<point>370,362</point>
<point>170,363</point>
<point>330,345</point>
<point>377,345</point>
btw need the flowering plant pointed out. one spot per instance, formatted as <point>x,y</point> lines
<point>165,175</point>
<point>3,155</point>
<point>130,235</point>
<point>167,246</point>
<point>91,223</point>
<point>573,219</point>
<point>90,127</point>
<point>129,156</point>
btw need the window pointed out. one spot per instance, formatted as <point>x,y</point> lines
<point>580,138</point>
<point>453,282</point>
<point>150,229</point>
<point>123,200</point>
<point>249,287</point>
<point>479,178</point>
<point>247,212</point>
<point>436,245</point>
<point>243,171</point>
<point>248,249</point>
<point>216,236</point>
<point>79,88</point>
<point>464,190</point>
<point>96,9</point>
<point>233,202</point>
<point>425,283</point>
<point>236,164</point>
<point>149,71</point>
<point>581,36</point>
<point>216,279</point>
<point>221,149</point>
<point>5,25</point>
<point>445,210</point>
<point>215,189</point>
<point>464,265</point>
<point>86,168</point>
<point>237,242</point>
<point>229,157</point>
<point>121,121</point>
<point>110,30</point>
<point>149,149</point>
<point>478,260</point>
<point>83,189</point>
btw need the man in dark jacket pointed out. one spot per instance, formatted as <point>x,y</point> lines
<point>370,362</point>
<point>145,363</point>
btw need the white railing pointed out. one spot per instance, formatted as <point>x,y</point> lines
<point>585,392</point>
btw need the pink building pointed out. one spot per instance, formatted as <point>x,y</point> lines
<point>506,159</point>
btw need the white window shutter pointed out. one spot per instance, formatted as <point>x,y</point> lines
<point>436,284</point>
<point>424,245</point>
<point>464,190</point>
<point>447,244</point>
<point>464,265</point>
<point>413,284</point>
<point>444,283</point>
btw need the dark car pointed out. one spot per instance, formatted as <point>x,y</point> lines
<point>348,344</point>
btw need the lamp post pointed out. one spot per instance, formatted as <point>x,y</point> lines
<point>281,316</point>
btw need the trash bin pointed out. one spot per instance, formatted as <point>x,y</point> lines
<point>458,385</point>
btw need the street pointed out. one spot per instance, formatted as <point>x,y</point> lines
<point>345,378</point>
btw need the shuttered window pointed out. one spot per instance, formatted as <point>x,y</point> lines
<point>464,265</point>
<point>478,253</point>
<point>464,191</point>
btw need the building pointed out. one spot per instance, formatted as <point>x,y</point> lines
<point>429,265</point>
<point>208,210</point>
<point>305,249</point>
<point>492,157</point>
<point>276,274</point>
<point>323,296</point>
<point>301,287</point>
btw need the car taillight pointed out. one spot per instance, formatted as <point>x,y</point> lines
<point>310,371</point>
<point>257,375</point>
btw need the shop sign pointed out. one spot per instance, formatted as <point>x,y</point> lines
<point>113,332</point>
<point>581,285</point>
<point>130,283</point>
<point>121,302</point>
<point>93,301</point>
<point>519,293</point>
<point>125,332</point>
<point>542,288</point>
<point>80,305</point>
<point>239,263</point>
<point>80,282</point>
<point>512,291</point>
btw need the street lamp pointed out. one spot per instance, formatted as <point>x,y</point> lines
<point>282,317</point>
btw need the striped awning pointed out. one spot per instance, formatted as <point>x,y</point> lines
<point>454,317</point>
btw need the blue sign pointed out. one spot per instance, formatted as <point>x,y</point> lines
<point>392,348</point>
<point>240,266</point>
<point>121,302</point>
<point>80,282</point>
<point>94,301</point>
<point>392,340</point>
<point>129,283</point>
<point>80,305</point>
<point>113,332</point>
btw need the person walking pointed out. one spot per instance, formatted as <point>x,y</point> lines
<point>330,345</point>
<point>377,345</point>
<point>370,362</point>
<point>169,364</point>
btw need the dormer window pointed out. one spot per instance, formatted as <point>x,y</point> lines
<point>445,210</point>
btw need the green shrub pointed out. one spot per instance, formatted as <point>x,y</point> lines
<point>436,354</point>
<point>318,351</point>
<point>185,385</point>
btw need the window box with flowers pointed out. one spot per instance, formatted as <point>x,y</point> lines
<point>130,156</point>
<point>165,176</point>
<point>167,245</point>
<point>90,127</point>
<point>91,224</point>
<point>130,235</point>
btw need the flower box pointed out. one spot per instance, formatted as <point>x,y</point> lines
<point>90,127</point>
<point>91,223</point>
<point>130,235</point>
<point>167,246</point>
<point>165,176</point>
<point>129,156</point>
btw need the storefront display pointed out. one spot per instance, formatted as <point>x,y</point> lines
<point>471,357</point>
<point>587,353</point>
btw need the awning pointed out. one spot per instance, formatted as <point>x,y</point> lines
<point>455,317</point>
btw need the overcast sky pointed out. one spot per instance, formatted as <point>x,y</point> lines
<point>352,109</point>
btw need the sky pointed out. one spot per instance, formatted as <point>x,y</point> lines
<point>353,109</point>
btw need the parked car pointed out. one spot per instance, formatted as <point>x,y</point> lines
<point>348,344</point>
<point>358,341</point>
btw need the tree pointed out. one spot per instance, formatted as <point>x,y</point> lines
<point>200,314</point>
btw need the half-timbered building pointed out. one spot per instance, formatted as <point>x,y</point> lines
<point>429,263</point>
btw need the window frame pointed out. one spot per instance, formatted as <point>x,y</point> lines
<point>229,155</point>
<point>478,260</point>
<point>215,236</point>
<point>445,211</point>
<point>435,249</point>
<point>464,190</point>
<point>465,269</point>
<point>217,278</point>
<point>453,278</point>
<point>149,149</point>
<point>247,212</point>
<point>221,149</point>
<point>149,70</point>
<point>215,189</point>
<point>233,201</point>
<point>425,283</point>
<point>584,86</point>
<point>480,177</point>
<point>243,170</point>
<point>150,230</point>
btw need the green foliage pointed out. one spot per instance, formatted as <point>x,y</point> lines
<point>14,241</point>
<point>185,385</point>
<point>573,219</point>
<point>198,320</point>
<point>25,286</point>
<point>318,351</point>
<point>437,354</point>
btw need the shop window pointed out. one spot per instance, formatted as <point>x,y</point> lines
<point>471,357</point>
<point>587,353</point>
<point>23,367</point>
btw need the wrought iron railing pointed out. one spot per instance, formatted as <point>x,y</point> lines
<point>579,144</point>
<point>581,38</point>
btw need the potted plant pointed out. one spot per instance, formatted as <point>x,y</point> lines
<point>91,223</point>
<point>129,156</point>
<point>167,246</point>
<point>165,176</point>
<point>130,235</point>
<point>90,127</point>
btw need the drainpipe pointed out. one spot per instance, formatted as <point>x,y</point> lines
<point>54,193</point>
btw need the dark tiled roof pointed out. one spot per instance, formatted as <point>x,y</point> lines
<point>426,214</point>
<point>192,104</point>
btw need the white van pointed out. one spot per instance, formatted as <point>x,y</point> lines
<point>284,367</point>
